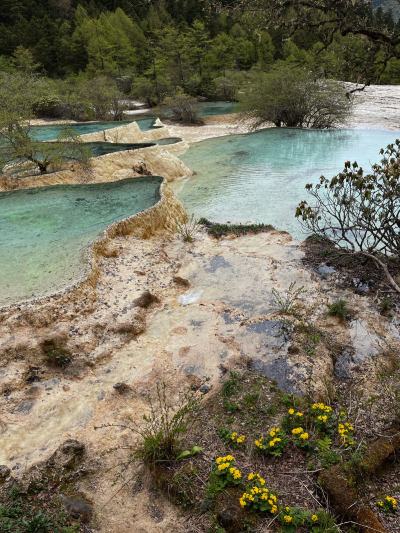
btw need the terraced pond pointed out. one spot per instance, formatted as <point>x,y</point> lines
<point>51,132</point>
<point>261,176</point>
<point>45,232</point>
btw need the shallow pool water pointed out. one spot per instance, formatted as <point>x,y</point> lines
<point>261,176</point>
<point>45,232</point>
<point>51,132</point>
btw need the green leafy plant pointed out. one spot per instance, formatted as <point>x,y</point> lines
<point>231,407</point>
<point>324,444</point>
<point>301,438</point>
<point>273,444</point>
<point>231,437</point>
<point>192,452</point>
<point>187,227</point>
<point>38,524</point>
<point>163,429</point>
<point>230,386</point>
<point>324,418</point>
<point>258,498</point>
<point>338,309</point>
<point>60,355</point>
<point>385,304</point>
<point>291,518</point>
<point>387,504</point>
<point>330,458</point>
<point>321,522</point>
<point>225,471</point>
<point>285,303</point>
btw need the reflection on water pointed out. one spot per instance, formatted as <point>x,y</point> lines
<point>44,232</point>
<point>261,176</point>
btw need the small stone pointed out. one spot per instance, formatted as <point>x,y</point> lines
<point>4,473</point>
<point>66,388</point>
<point>204,389</point>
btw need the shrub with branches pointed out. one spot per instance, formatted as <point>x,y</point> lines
<point>290,96</point>
<point>359,212</point>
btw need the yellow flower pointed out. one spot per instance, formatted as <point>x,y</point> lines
<point>304,436</point>
<point>314,518</point>
<point>299,414</point>
<point>272,443</point>
<point>270,502</point>
<point>287,509</point>
<point>342,413</point>
<point>219,460</point>
<point>315,406</point>
<point>288,518</point>
<point>297,430</point>
<point>291,411</point>
<point>251,477</point>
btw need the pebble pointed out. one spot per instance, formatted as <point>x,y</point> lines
<point>66,388</point>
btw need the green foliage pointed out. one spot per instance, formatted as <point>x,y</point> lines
<point>59,354</point>
<point>231,437</point>
<point>362,205</point>
<point>230,386</point>
<point>192,452</point>
<point>224,473</point>
<point>38,524</point>
<point>273,444</point>
<point>385,304</point>
<point>387,504</point>
<point>258,498</point>
<point>182,108</point>
<point>291,518</point>
<point>330,458</point>
<point>218,230</point>
<point>292,96</point>
<point>161,434</point>
<point>339,308</point>
<point>285,303</point>
<point>187,227</point>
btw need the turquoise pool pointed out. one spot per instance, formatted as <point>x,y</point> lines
<point>261,176</point>
<point>51,132</point>
<point>45,232</point>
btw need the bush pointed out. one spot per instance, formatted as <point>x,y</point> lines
<point>291,96</point>
<point>183,108</point>
<point>358,212</point>
<point>339,308</point>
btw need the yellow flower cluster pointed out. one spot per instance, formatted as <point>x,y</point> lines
<point>343,431</point>
<point>323,407</point>
<point>274,431</point>
<point>239,440</point>
<point>391,501</point>
<point>291,411</point>
<point>224,462</point>
<point>299,414</point>
<point>323,418</point>
<point>314,518</point>
<point>273,441</point>
<point>258,443</point>
<point>304,436</point>
<point>287,519</point>
<point>262,493</point>
<point>235,473</point>
<point>296,431</point>
<point>229,458</point>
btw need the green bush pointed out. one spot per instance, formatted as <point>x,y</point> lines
<point>339,308</point>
